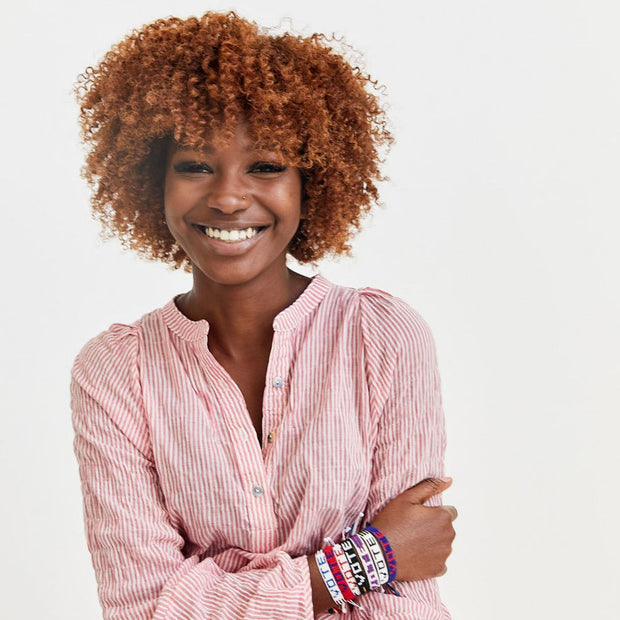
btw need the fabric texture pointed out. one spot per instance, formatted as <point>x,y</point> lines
<point>188,517</point>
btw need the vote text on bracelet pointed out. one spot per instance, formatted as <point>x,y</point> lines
<point>358,564</point>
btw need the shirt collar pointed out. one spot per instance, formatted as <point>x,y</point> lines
<point>286,320</point>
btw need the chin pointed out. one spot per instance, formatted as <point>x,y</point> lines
<point>231,274</point>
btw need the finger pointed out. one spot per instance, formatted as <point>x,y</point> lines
<point>424,490</point>
<point>452,510</point>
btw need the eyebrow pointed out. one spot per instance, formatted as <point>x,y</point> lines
<point>209,151</point>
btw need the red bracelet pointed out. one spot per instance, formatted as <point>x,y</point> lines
<point>337,573</point>
<point>346,569</point>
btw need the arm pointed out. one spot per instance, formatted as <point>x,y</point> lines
<point>410,441</point>
<point>142,569</point>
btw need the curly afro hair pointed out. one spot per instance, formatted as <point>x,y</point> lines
<point>177,80</point>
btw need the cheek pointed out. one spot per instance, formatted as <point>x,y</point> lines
<point>174,211</point>
<point>291,199</point>
<point>290,211</point>
<point>177,201</point>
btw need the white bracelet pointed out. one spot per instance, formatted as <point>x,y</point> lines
<point>328,578</point>
<point>377,555</point>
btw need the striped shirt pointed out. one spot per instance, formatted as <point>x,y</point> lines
<point>188,517</point>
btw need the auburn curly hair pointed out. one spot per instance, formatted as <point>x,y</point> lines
<point>177,80</point>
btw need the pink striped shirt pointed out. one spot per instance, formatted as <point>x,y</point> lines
<point>188,518</point>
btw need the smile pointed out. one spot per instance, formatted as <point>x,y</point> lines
<point>229,235</point>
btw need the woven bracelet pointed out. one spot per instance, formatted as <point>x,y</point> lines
<point>356,565</point>
<point>341,581</point>
<point>346,570</point>
<point>328,578</point>
<point>376,552</point>
<point>367,562</point>
<point>387,549</point>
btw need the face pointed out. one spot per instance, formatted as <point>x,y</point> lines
<point>233,210</point>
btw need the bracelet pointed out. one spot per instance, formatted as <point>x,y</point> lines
<point>356,565</point>
<point>376,552</point>
<point>389,554</point>
<point>334,566</point>
<point>328,578</point>
<point>369,565</point>
<point>346,570</point>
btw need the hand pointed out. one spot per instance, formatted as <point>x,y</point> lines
<point>420,536</point>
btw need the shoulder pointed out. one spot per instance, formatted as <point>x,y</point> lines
<point>113,350</point>
<point>392,320</point>
<point>119,345</point>
<point>106,387</point>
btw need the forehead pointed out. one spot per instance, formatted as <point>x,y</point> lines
<point>239,138</point>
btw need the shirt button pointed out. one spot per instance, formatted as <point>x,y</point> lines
<point>277,382</point>
<point>270,437</point>
<point>257,490</point>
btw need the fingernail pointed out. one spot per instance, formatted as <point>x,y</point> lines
<point>446,479</point>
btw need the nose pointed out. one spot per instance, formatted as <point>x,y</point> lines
<point>226,194</point>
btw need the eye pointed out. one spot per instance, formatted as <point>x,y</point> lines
<point>267,167</point>
<point>191,167</point>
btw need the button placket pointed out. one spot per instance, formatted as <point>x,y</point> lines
<point>257,502</point>
<point>276,389</point>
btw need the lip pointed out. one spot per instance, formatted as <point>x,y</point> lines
<point>227,248</point>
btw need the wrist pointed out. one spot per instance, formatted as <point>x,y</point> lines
<point>358,564</point>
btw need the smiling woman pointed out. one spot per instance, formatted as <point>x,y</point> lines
<point>228,439</point>
<point>190,82</point>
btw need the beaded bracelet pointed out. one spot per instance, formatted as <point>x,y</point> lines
<point>369,565</point>
<point>376,553</point>
<point>337,573</point>
<point>389,554</point>
<point>328,578</point>
<point>356,565</point>
<point>346,570</point>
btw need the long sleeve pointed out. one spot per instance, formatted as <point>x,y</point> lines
<point>141,562</point>
<point>410,444</point>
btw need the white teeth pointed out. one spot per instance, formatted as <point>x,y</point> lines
<point>230,235</point>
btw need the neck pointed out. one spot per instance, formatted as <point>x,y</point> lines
<point>241,316</point>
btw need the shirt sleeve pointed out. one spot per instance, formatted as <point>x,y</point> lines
<point>405,391</point>
<point>142,566</point>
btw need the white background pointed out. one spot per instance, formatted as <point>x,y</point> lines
<point>500,227</point>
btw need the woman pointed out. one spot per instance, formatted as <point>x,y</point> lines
<point>224,438</point>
